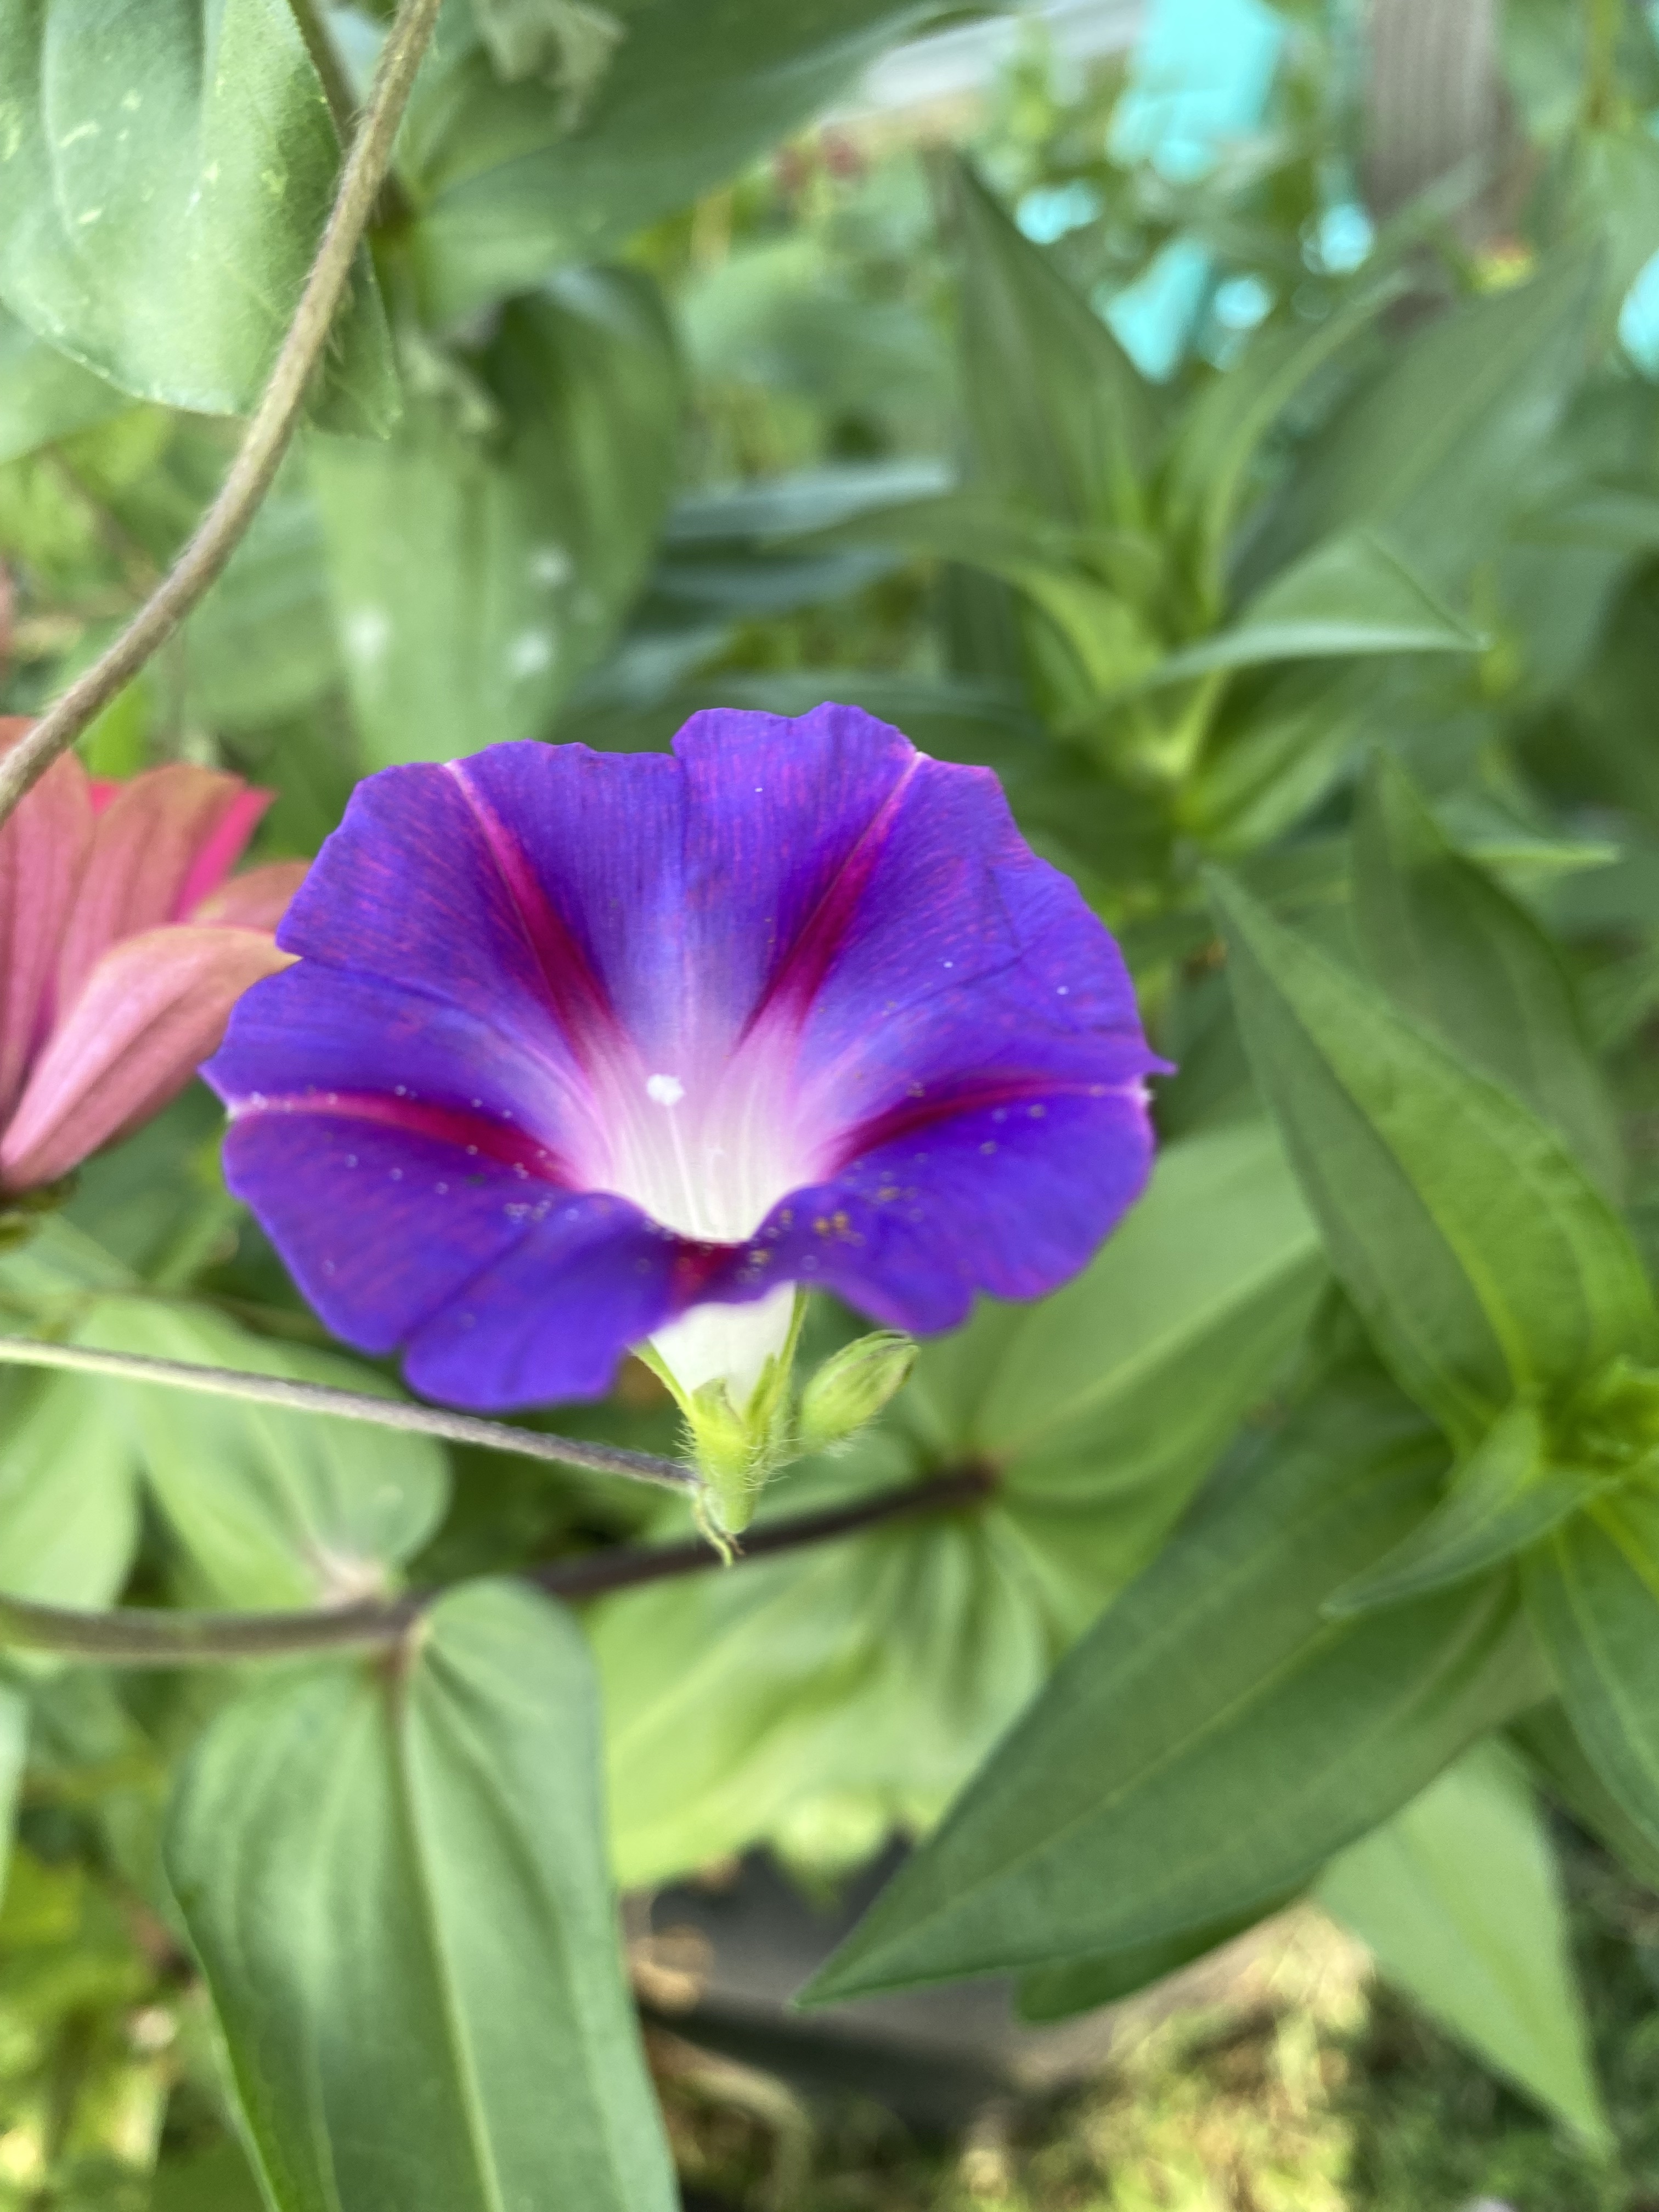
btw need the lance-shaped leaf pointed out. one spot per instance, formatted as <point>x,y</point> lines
<point>1353,594</point>
<point>1504,1497</point>
<point>1211,459</point>
<point>1484,1262</point>
<point>1454,950</point>
<point>1057,418</point>
<point>165,173</point>
<point>1459,1901</point>
<point>474,577</point>
<point>1592,1593</point>
<point>1432,448</point>
<point>394,1878</point>
<point>1214,1738</point>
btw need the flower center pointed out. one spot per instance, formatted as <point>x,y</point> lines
<point>708,1154</point>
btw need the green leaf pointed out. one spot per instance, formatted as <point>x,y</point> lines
<point>1214,1738</point>
<point>1484,1261</point>
<point>261,646</point>
<point>1057,418</point>
<point>1140,1370</point>
<point>1220,438</point>
<point>1058,1992</point>
<point>1452,949</point>
<point>509,192</point>
<point>43,395</point>
<point>1460,1902</point>
<point>475,575</point>
<point>1546,1735</point>
<point>1352,594</point>
<point>1504,1497</point>
<point>164,179</point>
<point>395,1882</point>
<point>14,1751</point>
<point>273,1508</point>
<point>1593,1595</point>
<point>69,1493</point>
<point>879,1670</point>
<point>1433,449</point>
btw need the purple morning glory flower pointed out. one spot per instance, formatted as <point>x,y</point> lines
<point>584,1049</point>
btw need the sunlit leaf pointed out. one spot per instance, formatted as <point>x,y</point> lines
<point>164,178</point>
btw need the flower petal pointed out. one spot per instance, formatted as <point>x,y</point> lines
<point>1008,1199</point>
<point>505,1290</point>
<point>257,899</point>
<point>43,847</point>
<point>163,841</point>
<point>151,1011</point>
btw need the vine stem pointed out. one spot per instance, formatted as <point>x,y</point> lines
<point>351,1406</point>
<point>133,1636</point>
<point>269,431</point>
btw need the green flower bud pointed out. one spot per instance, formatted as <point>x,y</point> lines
<point>851,1388</point>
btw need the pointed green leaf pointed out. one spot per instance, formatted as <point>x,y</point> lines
<point>1220,436</point>
<point>476,576</point>
<point>1432,448</point>
<point>1503,1498</point>
<point>394,1878</point>
<point>1592,1593</point>
<point>1453,949</point>
<point>1459,1899</point>
<point>1484,1261</point>
<point>165,173</point>
<point>1214,1738</point>
<point>1353,594</point>
<point>1058,417</point>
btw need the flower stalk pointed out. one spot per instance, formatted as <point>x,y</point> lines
<point>135,1637</point>
<point>352,1405</point>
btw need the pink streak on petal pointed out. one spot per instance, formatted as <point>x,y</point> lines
<point>795,981</point>
<point>257,899</point>
<point>143,850</point>
<point>224,847</point>
<point>43,849</point>
<point>152,1010</point>
<point>103,789</point>
<point>577,996</point>
<point>944,1102</point>
<point>471,1134</point>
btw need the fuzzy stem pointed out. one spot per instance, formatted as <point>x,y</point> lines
<point>135,1637</point>
<point>351,1406</point>
<point>269,431</point>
